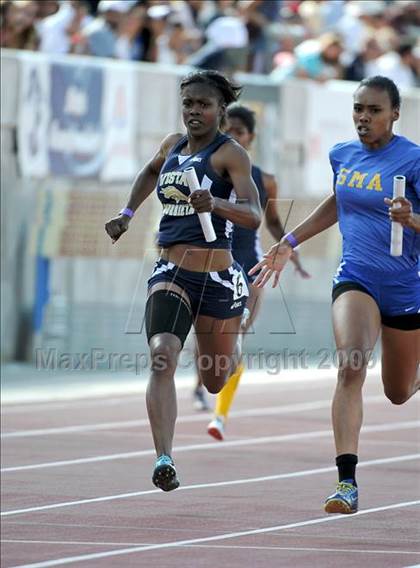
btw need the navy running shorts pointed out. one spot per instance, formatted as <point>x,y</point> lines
<point>221,295</point>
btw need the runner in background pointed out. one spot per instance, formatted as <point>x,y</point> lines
<point>246,250</point>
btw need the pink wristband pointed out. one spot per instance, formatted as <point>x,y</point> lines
<point>291,239</point>
<point>127,211</point>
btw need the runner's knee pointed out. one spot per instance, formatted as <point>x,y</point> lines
<point>164,358</point>
<point>397,396</point>
<point>351,377</point>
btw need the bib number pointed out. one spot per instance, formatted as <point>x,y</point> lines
<point>240,287</point>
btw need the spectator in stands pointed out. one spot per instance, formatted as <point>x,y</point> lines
<point>362,20</point>
<point>17,25</point>
<point>320,16</point>
<point>284,60</point>
<point>259,15</point>
<point>220,9</point>
<point>228,35</point>
<point>351,30</point>
<point>157,34</point>
<point>183,41</point>
<point>100,35</point>
<point>404,17</point>
<point>315,59</point>
<point>193,14</point>
<point>160,50</point>
<point>399,65</point>
<point>226,46</point>
<point>133,34</point>
<point>374,16</point>
<point>52,29</point>
<point>363,65</point>
<point>81,18</point>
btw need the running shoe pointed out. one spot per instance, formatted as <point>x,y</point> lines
<point>200,399</point>
<point>216,428</point>
<point>344,500</point>
<point>245,317</point>
<point>164,474</point>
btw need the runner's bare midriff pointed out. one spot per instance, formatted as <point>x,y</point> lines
<point>197,259</point>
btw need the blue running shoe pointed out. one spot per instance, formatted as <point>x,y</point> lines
<point>344,500</point>
<point>164,474</point>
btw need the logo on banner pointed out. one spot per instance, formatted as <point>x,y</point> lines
<point>76,130</point>
<point>33,117</point>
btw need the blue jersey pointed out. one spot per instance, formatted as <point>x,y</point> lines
<point>246,247</point>
<point>180,222</point>
<point>362,179</point>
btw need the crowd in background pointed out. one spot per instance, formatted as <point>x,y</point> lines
<point>319,39</point>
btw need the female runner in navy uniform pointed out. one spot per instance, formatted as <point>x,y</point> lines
<point>194,282</point>
<point>373,292</point>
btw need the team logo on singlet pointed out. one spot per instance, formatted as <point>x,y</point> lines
<point>172,192</point>
<point>181,207</point>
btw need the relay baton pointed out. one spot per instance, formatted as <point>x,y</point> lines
<point>397,228</point>
<point>205,218</point>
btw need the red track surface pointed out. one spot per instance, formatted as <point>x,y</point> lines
<point>274,498</point>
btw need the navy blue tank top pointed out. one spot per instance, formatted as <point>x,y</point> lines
<point>179,222</point>
<point>246,241</point>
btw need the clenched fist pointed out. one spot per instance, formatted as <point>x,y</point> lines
<point>117,226</point>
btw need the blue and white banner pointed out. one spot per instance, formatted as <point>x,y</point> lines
<point>76,119</point>
<point>75,140</point>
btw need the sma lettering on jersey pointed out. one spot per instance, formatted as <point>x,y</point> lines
<point>359,180</point>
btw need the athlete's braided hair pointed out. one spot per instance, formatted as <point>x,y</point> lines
<point>228,90</point>
<point>383,84</point>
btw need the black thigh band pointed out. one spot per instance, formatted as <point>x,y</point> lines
<point>168,312</point>
<point>405,322</point>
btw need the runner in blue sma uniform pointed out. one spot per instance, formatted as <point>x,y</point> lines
<point>373,292</point>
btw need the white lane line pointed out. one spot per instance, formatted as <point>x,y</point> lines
<point>262,411</point>
<point>87,428</point>
<point>75,542</point>
<point>174,544</point>
<point>216,546</point>
<point>304,548</point>
<point>9,409</point>
<point>408,425</point>
<point>301,473</point>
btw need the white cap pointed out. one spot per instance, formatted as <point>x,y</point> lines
<point>159,11</point>
<point>227,32</point>
<point>121,6</point>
